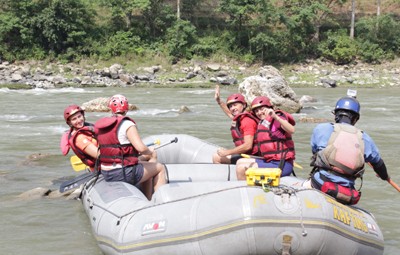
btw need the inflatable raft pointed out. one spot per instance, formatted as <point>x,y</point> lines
<point>205,210</point>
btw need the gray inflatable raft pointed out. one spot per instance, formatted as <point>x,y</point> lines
<point>205,210</point>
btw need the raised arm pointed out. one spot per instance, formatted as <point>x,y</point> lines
<point>222,104</point>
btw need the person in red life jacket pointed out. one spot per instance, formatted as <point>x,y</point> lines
<point>120,146</point>
<point>339,153</point>
<point>243,128</point>
<point>273,140</point>
<point>80,138</point>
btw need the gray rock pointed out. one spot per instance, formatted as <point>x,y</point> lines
<point>35,193</point>
<point>272,84</point>
<point>143,77</point>
<point>213,67</point>
<point>126,78</point>
<point>101,105</point>
<point>328,83</point>
<point>16,77</point>
<point>86,80</point>
<point>213,79</point>
<point>307,99</point>
<point>190,75</point>
<point>184,109</point>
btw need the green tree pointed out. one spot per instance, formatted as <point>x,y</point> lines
<point>15,34</point>
<point>30,28</point>
<point>180,38</point>
<point>311,13</point>
<point>122,12</point>
<point>63,25</point>
<point>380,30</point>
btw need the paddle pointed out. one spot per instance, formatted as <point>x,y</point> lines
<point>77,181</point>
<point>394,185</point>
<point>252,156</point>
<point>78,165</point>
<point>81,179</point>
<point>175,140</point>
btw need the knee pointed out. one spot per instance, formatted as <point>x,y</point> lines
<point>216,159</point>
<point>161,168</point>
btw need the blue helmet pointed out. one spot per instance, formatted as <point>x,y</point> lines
<point>349,104</point>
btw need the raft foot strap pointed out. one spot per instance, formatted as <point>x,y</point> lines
<point>286,244</point>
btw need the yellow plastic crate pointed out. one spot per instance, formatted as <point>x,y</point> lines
<point>260,176</point>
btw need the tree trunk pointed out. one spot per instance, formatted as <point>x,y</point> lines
<point>178,9</point>
<point>378,9</point>
<point>353,14</point>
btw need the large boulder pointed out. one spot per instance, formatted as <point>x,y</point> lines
<point>271,83</point>
<point>101,105</point>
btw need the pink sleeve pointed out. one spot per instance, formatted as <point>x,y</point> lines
<point>64,145</point>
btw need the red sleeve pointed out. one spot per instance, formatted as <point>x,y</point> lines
<point>248,126</point>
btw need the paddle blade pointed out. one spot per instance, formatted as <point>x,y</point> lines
<point>297,166</point>
<point>77,164</point>
<point>77,181</point>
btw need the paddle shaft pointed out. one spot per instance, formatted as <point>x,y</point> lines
<point>175,140</point>
<point>394,185</point>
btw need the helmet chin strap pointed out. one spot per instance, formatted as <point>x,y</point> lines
<point>345,117</point>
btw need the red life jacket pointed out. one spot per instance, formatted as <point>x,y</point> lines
<point>238,138</point>
<point>274,146</point>
<point>88,130</point>
<point>344,153</point>
<point>111,151</point>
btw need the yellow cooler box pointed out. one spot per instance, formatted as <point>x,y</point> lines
<point>260,176</point>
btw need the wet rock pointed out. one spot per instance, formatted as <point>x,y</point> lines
<point>35,193</point>
<point>313,120</point>
<point>307,99</point>
<point>101,105</point>
<point>38,156</point>
<point>184,109</point>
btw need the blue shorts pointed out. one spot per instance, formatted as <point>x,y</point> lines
<point>287,167</point>
<point>133,174</point>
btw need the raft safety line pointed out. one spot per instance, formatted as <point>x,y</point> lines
<point>229,228</point>
<point>92,204</point>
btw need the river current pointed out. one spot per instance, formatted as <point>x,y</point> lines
<point>31,122</point>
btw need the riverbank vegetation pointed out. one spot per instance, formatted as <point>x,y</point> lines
<point>137,32</point>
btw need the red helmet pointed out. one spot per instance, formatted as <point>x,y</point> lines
<point>260,101</point>
<point>71,110</point>
<point>235,98</point>
<point>118,104</point>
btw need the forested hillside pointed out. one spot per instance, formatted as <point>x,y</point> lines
<point>250,31</point>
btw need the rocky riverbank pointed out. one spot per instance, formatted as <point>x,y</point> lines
<point>34,74</point>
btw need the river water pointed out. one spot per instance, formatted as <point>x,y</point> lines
<point>31,121</point>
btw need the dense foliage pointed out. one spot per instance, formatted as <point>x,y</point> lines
<point>248,30</point>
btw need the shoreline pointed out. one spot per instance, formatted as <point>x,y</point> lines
<point>311,73</point>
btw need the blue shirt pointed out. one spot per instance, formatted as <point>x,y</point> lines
<point>319,140</point>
